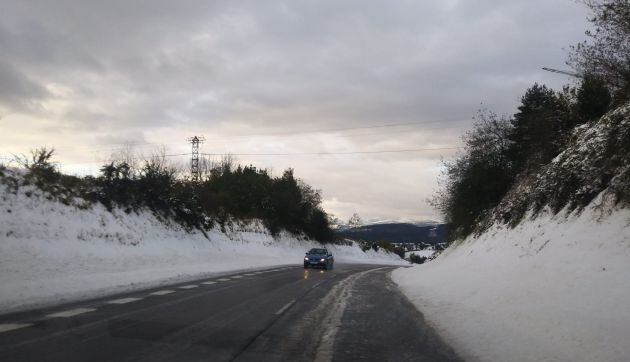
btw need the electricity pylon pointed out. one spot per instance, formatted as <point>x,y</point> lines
<point>195,173</point>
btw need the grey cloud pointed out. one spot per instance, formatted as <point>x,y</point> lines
<point>17,91</point>
<point>226,67</point>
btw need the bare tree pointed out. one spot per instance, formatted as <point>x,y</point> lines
<point>158,157</point>
<point>606,54</point>
<point>127,155</point>
<point>355,221</point>
<point>225,164</point>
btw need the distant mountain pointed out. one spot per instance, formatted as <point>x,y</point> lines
<point>376,221</point>
<point>432,233</point>
<point>369,222</point>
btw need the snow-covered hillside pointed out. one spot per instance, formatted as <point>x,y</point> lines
<point>596,162</point>
<point>554,288</point>
<point>50,251</point>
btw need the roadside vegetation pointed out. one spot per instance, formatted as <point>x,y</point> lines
<point>557,151</point>
<point>382,245</point>
<point>226,194</point>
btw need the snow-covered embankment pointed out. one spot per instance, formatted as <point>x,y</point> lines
<point>50,252</point>
<point>551,289</point>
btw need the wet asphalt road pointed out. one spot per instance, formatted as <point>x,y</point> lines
<point>353,312</point>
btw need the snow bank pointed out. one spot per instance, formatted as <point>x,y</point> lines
<point>551,289</point>
<point>51,252</point>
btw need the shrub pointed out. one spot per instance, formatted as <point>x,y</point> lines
<point>227,193</point>
<point>416,259</point>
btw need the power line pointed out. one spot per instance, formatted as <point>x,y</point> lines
<point>324,130</point>
<point>342,128</point>
<point>395,132</point>
<point>290,153</point>
<point>333,153</point>
<point>169,155</point>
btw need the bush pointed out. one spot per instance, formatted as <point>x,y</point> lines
<point>500,153</point>
<point>282,203</point>
<point>477,181</point>
<point>605,55</point>
<point>416,259</point>
<point>227,193</point>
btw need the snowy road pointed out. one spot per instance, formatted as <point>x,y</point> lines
<point>288,313</point>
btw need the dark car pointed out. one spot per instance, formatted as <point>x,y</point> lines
<point>319,257</point>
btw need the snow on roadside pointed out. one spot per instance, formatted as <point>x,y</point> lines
<point>50,252</point>
<point>551,289</point>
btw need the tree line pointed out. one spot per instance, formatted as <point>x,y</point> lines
<point>226,193</point>
<point>501,149</point>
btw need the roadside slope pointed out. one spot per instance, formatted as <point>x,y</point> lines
<point>552,288</point>
<point>545,275</point>
<point>51,252</point>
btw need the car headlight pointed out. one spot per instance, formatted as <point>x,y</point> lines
<point>323,259</point>
<point>305,258</point>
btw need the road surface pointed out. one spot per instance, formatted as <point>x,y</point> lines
<point>353,312</point>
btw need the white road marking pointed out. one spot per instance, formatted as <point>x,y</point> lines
<point>237,276</point>
<point>191,286</point>
<point>249,274</point>
<point>258,272</point>
<point>13,326</point>
<point>209,283</point>
<point>123,300</point>
<point>70,313</point>
<point>163,292</point>
<point>224,279</point>
<point>286,306</point>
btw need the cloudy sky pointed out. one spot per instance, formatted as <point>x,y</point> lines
<point>263,79</point>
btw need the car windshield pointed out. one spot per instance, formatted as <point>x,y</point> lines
<point>162,174</point>
<point>317,251</point>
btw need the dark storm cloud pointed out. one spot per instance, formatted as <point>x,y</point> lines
<point>154,68</point>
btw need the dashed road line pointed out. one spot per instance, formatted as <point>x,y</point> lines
<point>209,283</point>
<point>162,292</point>
<point>70,313</point>
<point>123,300</point>
<point>191,286</point>
<point>285,307</point>
<point>237,276</point>
<point>13,326</point>
<point>224,279</point>
<point>249,274</point>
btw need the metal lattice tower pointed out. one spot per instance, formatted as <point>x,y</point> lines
<point>194,159</point>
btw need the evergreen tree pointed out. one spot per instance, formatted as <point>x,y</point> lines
<point>593,98</point>
<point>539,128</point>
